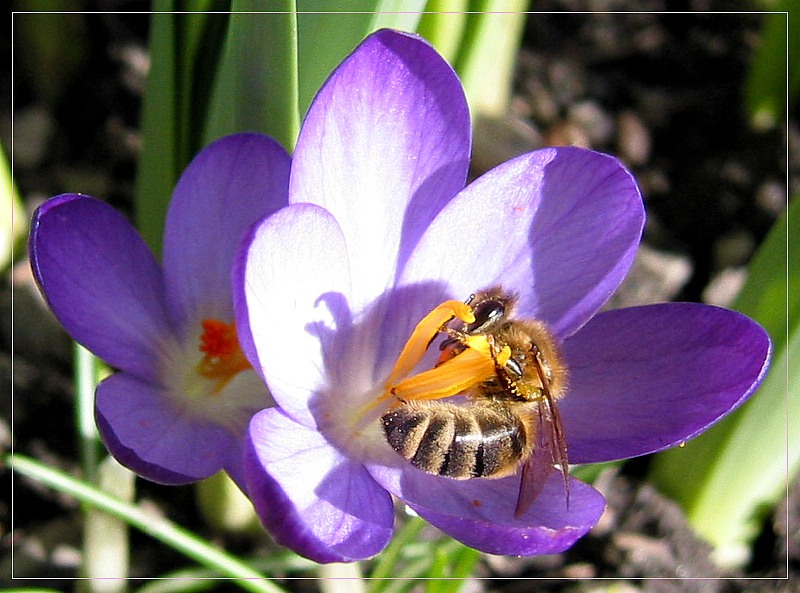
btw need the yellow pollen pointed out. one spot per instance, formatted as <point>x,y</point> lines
<point>222,358</point>
<point>423,333</point>
<point>450,378</point>
<point>455,375</point>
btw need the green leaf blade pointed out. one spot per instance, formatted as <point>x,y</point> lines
<point>155,526</point>
<point>727,477</point>
<point>158,160</point>
<point>257,85</point>
<point>765,91</point>
<point>320,52</point>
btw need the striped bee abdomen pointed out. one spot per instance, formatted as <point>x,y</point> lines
<point>481,439</point>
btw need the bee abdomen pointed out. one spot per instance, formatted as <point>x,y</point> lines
<point>503,443</point>
<point>458,441</point>
<point>461,456</point>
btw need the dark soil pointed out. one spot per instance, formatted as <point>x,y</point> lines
<point>661,90</point>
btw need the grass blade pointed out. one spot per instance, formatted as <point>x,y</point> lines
<point>443,24</point>
<point>485,62</point>
<point>184,49</point>
<point>157,527</point>
<point>320,52</point>
<point>728,477</point>
<point>257,86</point>
<point>106,542</point>
<point>765,87</point>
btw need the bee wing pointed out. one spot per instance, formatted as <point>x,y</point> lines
<point>550,451</point>
<point>535,473</point>
<point>557,442</point>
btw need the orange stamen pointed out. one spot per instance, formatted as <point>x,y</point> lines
<point>223,358</point>
<point>477,363</point>
<point>422,335</point>
<point>453,376</point>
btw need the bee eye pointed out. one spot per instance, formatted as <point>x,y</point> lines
<point>514,368</point>
<point>487,314</point>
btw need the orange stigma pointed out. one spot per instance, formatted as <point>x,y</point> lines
<point>223,358</point>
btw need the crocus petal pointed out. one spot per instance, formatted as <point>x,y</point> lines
<point>384,146</point>
<point>480,512</point>
<point>101,281</point>
<point>230,185</point>
<point>287,328</point>
<point>157,440</point>
<point>310,496</point>
<point>643,379</point>
<point>531,224</point>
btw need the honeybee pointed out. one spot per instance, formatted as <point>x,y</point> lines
<point>509,419</point>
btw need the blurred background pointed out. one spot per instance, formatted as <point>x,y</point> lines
<point>665,91</point>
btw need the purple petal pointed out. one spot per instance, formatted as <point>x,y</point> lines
<point>157,440</point>
<point>230,185</point>
<point>287,327</point>
<point>101,281</point>
<point>310,496</point>
<point>480,512</point>
<point>559,225</point>
<point>647,378</point>
<point>384,146</point>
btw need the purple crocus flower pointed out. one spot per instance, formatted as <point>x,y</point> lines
<point>380,230</point>
<point>179,406</point>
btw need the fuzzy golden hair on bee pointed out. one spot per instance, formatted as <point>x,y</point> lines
<point>512,373</point>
